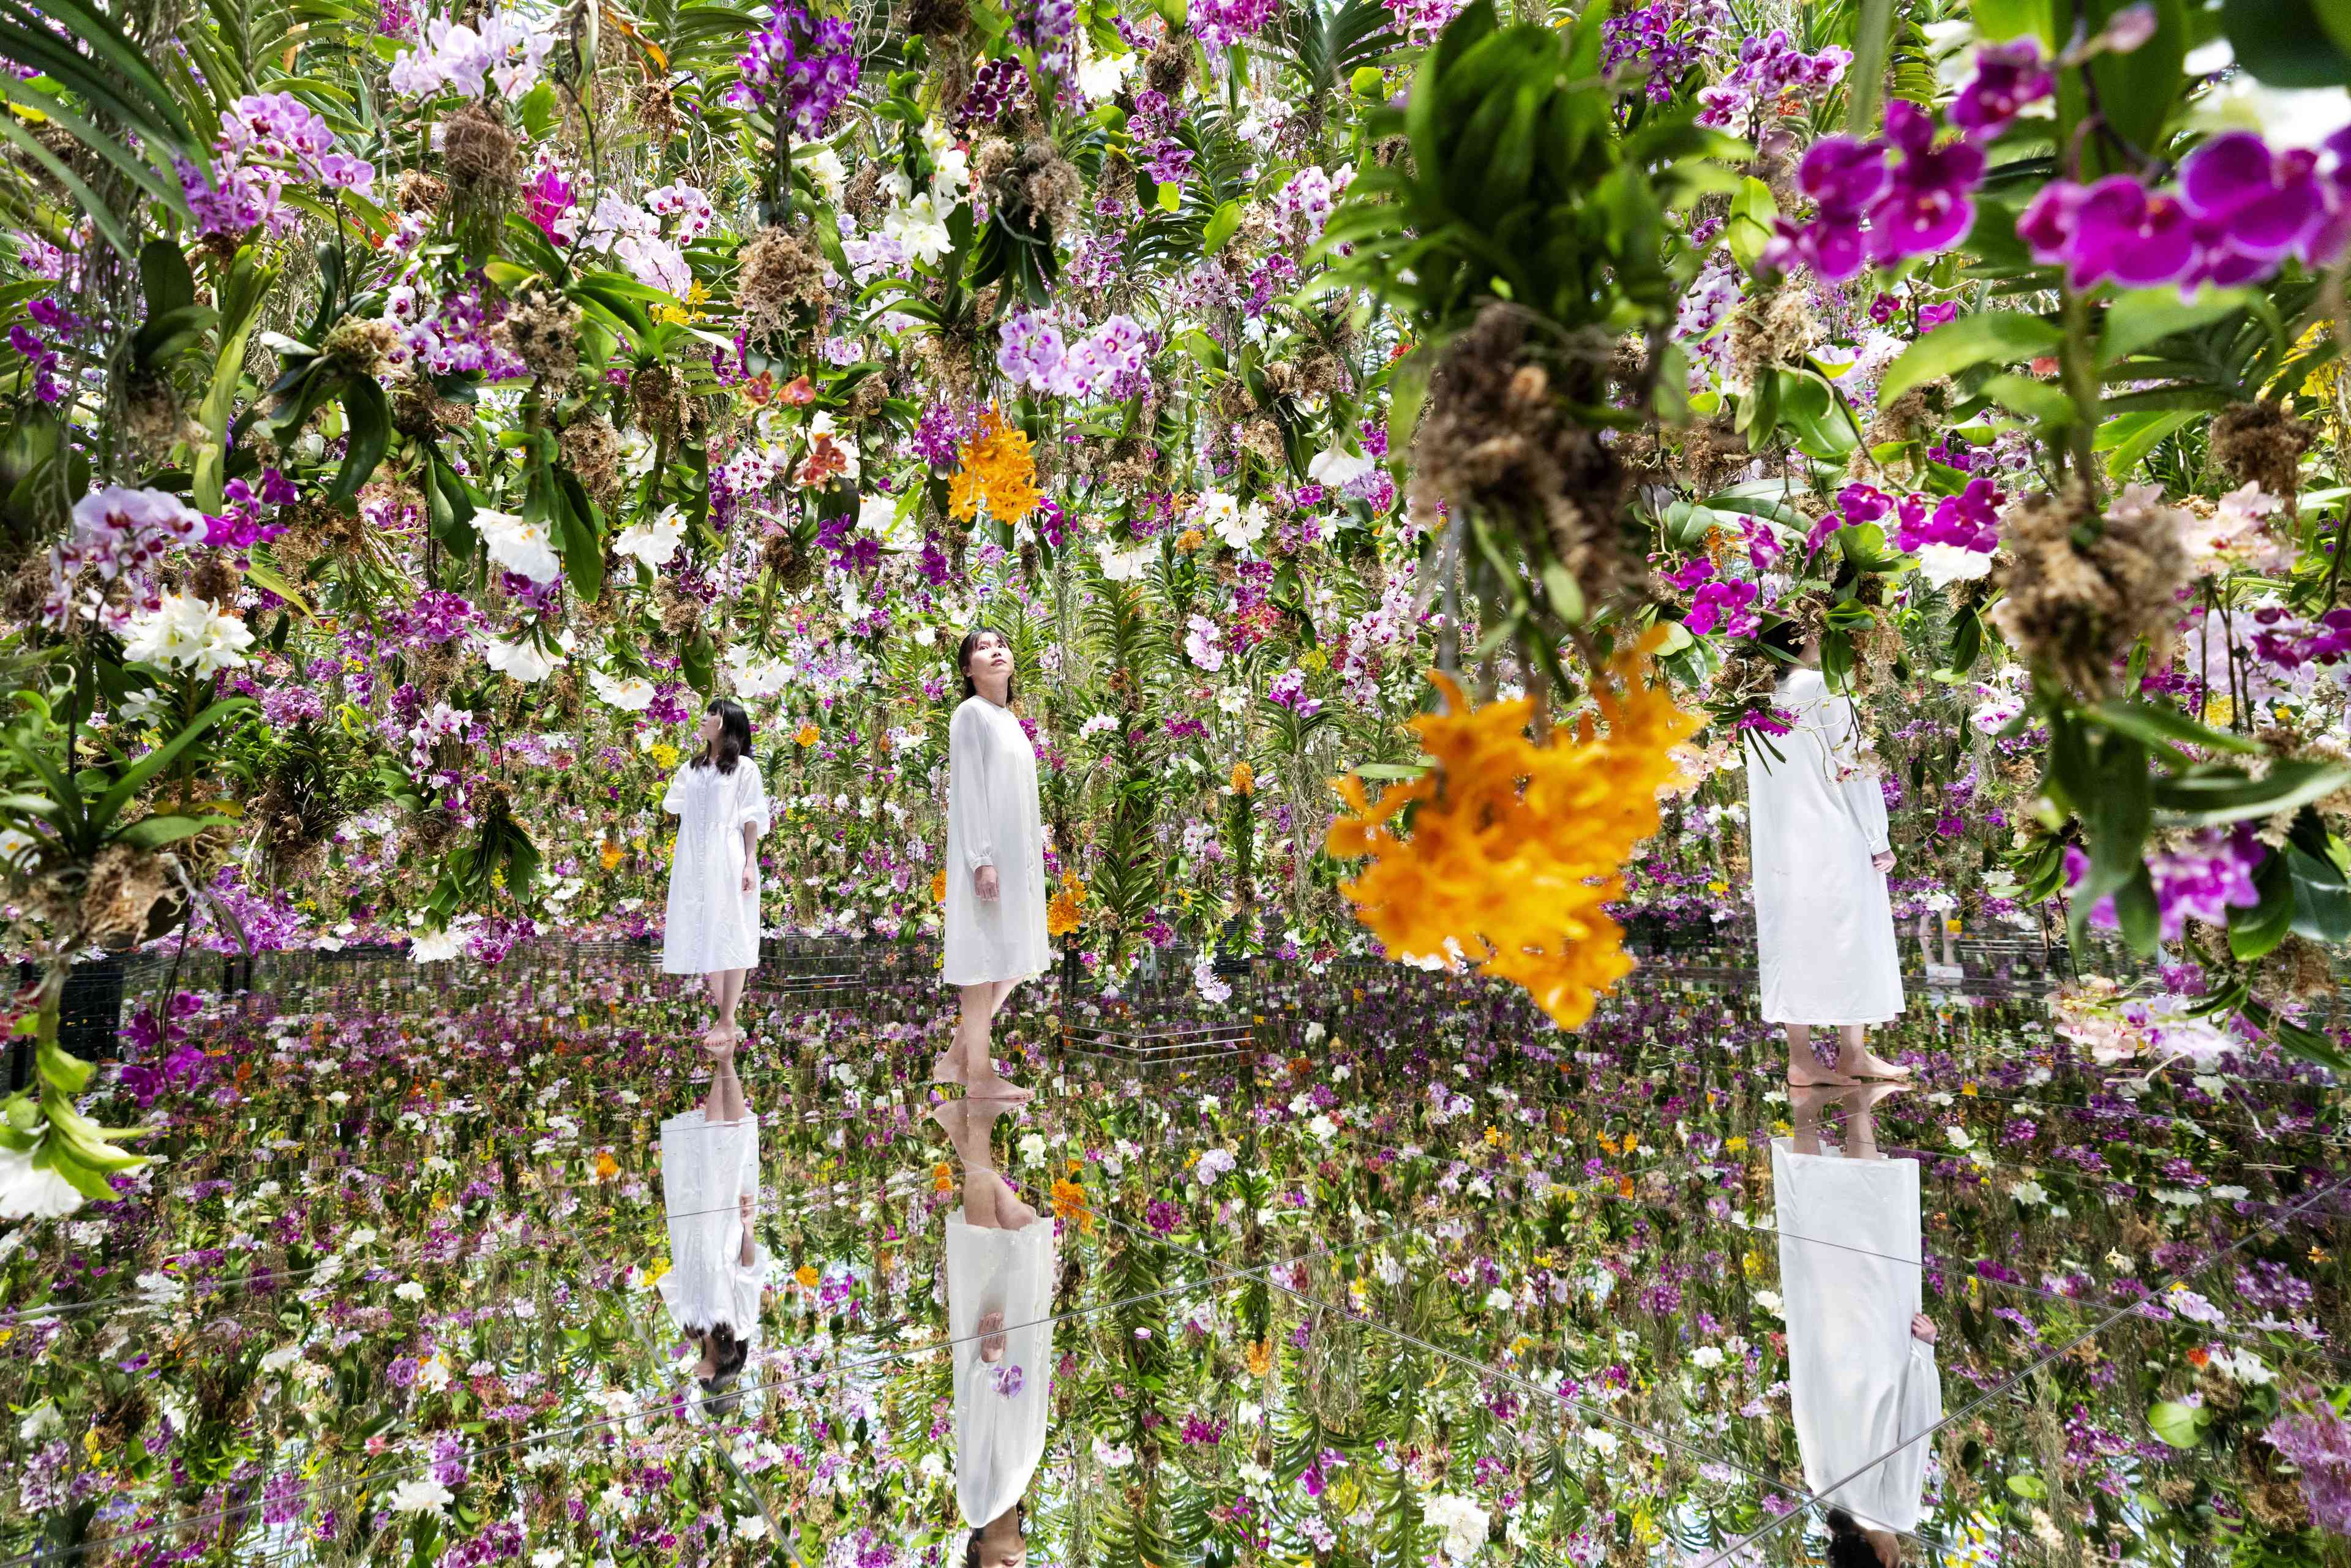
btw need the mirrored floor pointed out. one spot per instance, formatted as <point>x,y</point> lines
<point>1371,1267</point>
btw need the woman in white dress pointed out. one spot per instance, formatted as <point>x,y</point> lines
<point>710,1187</point>
<point>1817,843</point>
<point>1000,1289</point>
<point>721,806</point>
<point>1862,1380</point>
<point>995,863</point>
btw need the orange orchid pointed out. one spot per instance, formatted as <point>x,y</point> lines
<point>826,461</point>
<point>998,470</point>
<point>1515,848</point>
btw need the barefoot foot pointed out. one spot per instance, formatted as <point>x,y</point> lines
<point>992,1087</point>
<point>1869,1064</point>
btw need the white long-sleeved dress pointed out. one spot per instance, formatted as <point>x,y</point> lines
<point>712,924</point>
<point>993,819</point>
<point>708,1167</point>
<point>999,1435</point>
<point>1824,927</point>
<point>1862,1388</point>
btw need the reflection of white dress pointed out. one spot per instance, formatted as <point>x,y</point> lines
<point>707,1168</point>
<point>1823,928</point>
<point>993,819</point>
<point>1861,1386</point>
<point>712,924</point>
<point>1000,1439</point>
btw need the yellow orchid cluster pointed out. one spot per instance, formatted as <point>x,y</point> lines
<point>1070,1205</point>
<point>1066,912</point>
<point>998,469</point>
<point>1515,848</point>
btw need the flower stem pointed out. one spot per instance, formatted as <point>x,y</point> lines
<point>2082,385</point>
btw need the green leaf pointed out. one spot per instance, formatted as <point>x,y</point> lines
<point>135,778</point>
<point>89,202</point>
<point>1998,21</point>
<point>2127,438</point>
<point>154,832</point>
<point>367,422</point>
<point>2284,44</point>
<point>1566,597</point>
<point>2033,399</point>
<point>1408,393</point>
<point>583,546</point>
<point>2164,727</point>
<point>61,1070</point>
<point>2181,1425</point>
<point>2146,315</point>
<point>1989,336</point>
<point>2138,91</point>
<point>2321,901</point>
<point>2218,793</point>
<point>1223,224</point>
<point>165,278</point>
<point>262,576</point>
<point>2254,933</point>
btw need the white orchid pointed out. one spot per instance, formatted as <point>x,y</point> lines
<point>653,542</point>
<point>522,548</point>
<point>191,634</point>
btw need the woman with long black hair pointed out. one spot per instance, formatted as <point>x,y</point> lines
<point>721,806</point>
<point>994,912</point>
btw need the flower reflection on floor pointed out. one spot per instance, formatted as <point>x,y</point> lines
<point>1416,1278</point>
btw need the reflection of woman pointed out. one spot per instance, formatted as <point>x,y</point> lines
<point>995,863</point>
<point>721,806</point>
<point>999,1284</point>
<point>1823,929</point>
<point>1861,1356</point>
<point>1001,1544</point>
<point>710,1186</point>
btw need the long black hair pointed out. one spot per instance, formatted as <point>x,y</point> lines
<point>964,650</point>
<point>1848,1546</point>
<point>972,1557</point>
<point>727,1354</point>
<point>733,742</point>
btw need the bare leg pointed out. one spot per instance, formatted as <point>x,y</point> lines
<point>714,982</point>
<point>730,995</point>
<point>1804,1069</point>
<point>1804,1108</point>
<point>724,1101</point>
<point>1861,1125</point>
<point>998,993</point>
<point>1856,1059</point>
<point>979,1075</point>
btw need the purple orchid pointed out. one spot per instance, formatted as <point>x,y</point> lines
<point>1930,202</point>
<point>2008,78</point>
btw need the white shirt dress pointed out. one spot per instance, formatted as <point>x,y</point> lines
<point>1000,1408</point>
<point>712,924</point>
<point>1824,927</point>
<point>708,1168</point>
<point>1863,1392</point>
<point>993,819</point>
